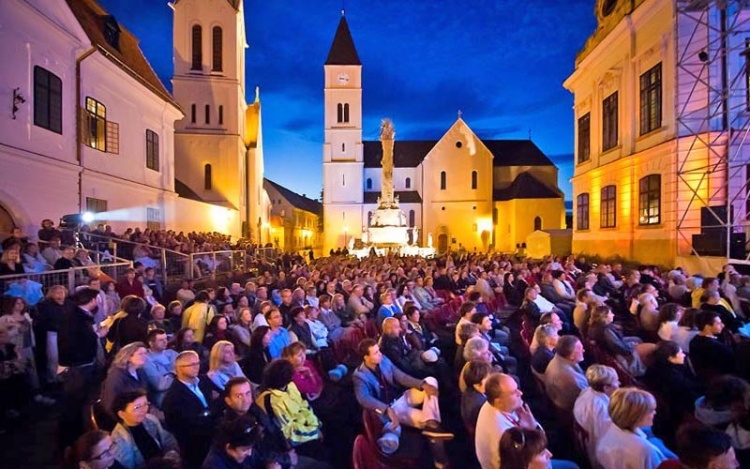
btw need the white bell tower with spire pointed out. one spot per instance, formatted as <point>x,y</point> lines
<point>343,163</point>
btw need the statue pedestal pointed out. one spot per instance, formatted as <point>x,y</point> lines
<point>388,227</point>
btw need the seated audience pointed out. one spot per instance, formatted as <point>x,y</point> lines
<point>671,379</point>
<point>159,366</point>
<point>708,353</point>
<point>591,409</point>
<point>563,378</point>
<point>138,436</point>
<point>473,397</point>
<point>280,337</point>
<point>125,374</point>
<point>93,450</point>
<point>191,410</point>
<point>547,338</point>
<point>630,352</point>
<point>625,445</point>
<point>217,331</point>
<point>726,397</point>
<point>223,364</point>
<point>522,448</point>
<point>379,387</point>
<point>701,447</point>
<point>233,446</point>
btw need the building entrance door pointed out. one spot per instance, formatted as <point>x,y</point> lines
<point>442,243</point>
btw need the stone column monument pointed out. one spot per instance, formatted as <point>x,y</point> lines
<point>387,136</point>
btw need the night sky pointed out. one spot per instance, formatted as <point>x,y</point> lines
<point>501,62</point>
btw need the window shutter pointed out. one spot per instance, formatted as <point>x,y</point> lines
<point>113,138</point>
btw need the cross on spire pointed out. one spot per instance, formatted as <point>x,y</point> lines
<point>460,113</point>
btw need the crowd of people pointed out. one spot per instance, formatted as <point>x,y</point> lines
<point>451,361</point>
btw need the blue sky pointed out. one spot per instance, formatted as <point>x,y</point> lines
<point>501,62</point>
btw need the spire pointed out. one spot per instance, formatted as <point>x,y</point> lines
<point>342,50</point>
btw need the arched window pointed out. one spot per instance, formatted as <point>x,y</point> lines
<point>412,218</point>
<point>407,183</point>
<point>343,147</point>
<point>473,179</point>
<point>340,113</point>
<point>208,114</point>
<point>217,48</point>
<point>197,48</point>
<point>346,112</point>
<point>221,115</point>
<point>442,180</point>
<point>207,182</point>
<point>193,113</point>
<point>537,223</point>
<point>369,183</point>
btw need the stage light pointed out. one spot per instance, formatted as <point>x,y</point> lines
<point>87,217</point>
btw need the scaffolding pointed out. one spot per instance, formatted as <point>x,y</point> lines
<point>712,116</point>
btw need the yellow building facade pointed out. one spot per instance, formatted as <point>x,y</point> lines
<point>295,220</point>
<point>460,190</point>
<point>646,167</point>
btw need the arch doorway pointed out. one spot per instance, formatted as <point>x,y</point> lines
<point>6,221</point>
<point>537,223</point>
<point>442,243</point>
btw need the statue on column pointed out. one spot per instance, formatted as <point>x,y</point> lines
<point>429,240</point>
<point>387,136</point>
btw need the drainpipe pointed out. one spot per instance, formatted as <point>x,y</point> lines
<point>79,118</point>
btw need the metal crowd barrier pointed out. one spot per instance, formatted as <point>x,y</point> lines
<point>70,278</point>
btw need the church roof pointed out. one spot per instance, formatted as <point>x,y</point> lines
<point>404,197</point>
<point>342,50</point>
<point>410,153</point>
<point>526,186</point>
<point>126,54</point>
<point>299,201</point>
<point>406,153</point>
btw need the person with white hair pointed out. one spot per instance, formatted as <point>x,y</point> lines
<point>591,407</point>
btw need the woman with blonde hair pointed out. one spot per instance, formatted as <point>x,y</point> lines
<point>625,445</point>
<point>223,366</point>
<point>125,373</point>
<point>521,448</point>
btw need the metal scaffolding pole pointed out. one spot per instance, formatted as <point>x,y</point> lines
<point>712,114</point>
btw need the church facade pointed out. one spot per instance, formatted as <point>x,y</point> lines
<point>464,191</point>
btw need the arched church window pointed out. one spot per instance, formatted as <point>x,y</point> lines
<point>369,183</point>
<point>343,179</point>
<point>340,113</point>
<point>537,223</point>
<point>473,179</point>
<point>193,113</point>
<point>208,114</point>
<point>197,47</point>
<point>207,182</point>
<point>343,147</point>
<point>346,112</point>
<point>217,48</point>
<point>407,183</point>
<point>221,115</point>
<point>443,181</point>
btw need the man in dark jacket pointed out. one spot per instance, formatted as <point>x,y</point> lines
<point>78,347</point>
<point>191,410</point>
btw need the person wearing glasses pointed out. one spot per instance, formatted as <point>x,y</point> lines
<point>93,450</point>
<point>521,448</point>
<point>138,436</point>
<point>191,410</point>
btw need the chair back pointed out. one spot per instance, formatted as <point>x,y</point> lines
<point>99,418</point>
<point>363,456</point>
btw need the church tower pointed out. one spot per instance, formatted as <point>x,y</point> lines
<point>343,163</point>
<point>211,151</point>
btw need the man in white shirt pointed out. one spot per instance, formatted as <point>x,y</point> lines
<point>590,409</point>
<point>504,409</point>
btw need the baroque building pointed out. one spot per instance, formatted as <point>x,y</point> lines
<point>464,191</point>
<point>660,102</point>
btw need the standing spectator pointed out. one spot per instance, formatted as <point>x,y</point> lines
<point>50,312</point>
<point>33,260</point>
<point>159,366</point>
<point>159,321</point>
<point>174,314</point>
<point>190,410</point>
<point>128,326</point>
<point>78,344</point>
<point>150,280</point>
<point>199,315</point>
<point>48,231</point>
